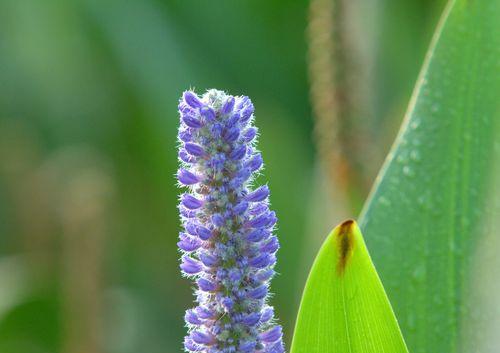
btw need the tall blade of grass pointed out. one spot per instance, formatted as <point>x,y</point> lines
<point>344,307</point>
<point>428,211</point>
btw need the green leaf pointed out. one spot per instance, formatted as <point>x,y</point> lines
<point>344,308</point>
<point>431,207</point>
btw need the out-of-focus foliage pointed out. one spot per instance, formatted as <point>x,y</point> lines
<point>344,307</point>
<point>88,96</point>
<point>432,215</point>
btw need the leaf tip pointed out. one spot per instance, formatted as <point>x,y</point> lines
<point>344,239</point>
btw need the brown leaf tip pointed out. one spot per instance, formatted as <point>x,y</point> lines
<point>345,244</point>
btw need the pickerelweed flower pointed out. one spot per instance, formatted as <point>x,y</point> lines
<point>228,246</point>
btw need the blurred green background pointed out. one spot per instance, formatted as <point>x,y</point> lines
<point>88,120</point>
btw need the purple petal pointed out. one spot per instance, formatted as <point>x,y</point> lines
<point>246,113</point>
<point>205,313</point>
<point>271,246</point>
<point>271,335</point>
<point>204,233</point>
<point>185,212</point>
<point>276,348</point>
<point>190,266</point>
<point>265,275</point>
<point>186,157</point>
<point>190,346</point>
<point>208,113</point>
<point>231,135</point>
<point>255,163</point>
<point>191,202</point>
<point>216,130</point>
<point>259,194</point>
<point>228,106</point>
<point>189,244</point>
<point>267,315</point>
<point>186,177</point>
<point>194,149</point>
<point>238,153</point>
<point>247,347</point>
<point>258,293</point>
<point>192,318</point>
<point>218,220</point>
<point>240,208</point>
<point>250,134</point>
<point>202,338</point>
<point>234,275</point>
<point>272,219</point>
<point>191,227</point>
<point>272,260</point>
<point>258,209</point>
<point>208,260</point>
<point>185,136</point>
<point>260,261</point>
<point>259,221</point>
<point>233,119</point>
<point>251,319</point>
<point>191,121</point>
<point>256,235</point>
<point>206,285</point>
<point>228,303</point>
<point>192,99</point>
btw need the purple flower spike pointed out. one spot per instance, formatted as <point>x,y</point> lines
<point>228,242</point>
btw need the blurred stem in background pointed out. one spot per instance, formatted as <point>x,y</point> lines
<point>84,188</point>
<point>65,195</point>
<point>363,60</point>
<point>340,82</point>
<point>20,155</point>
